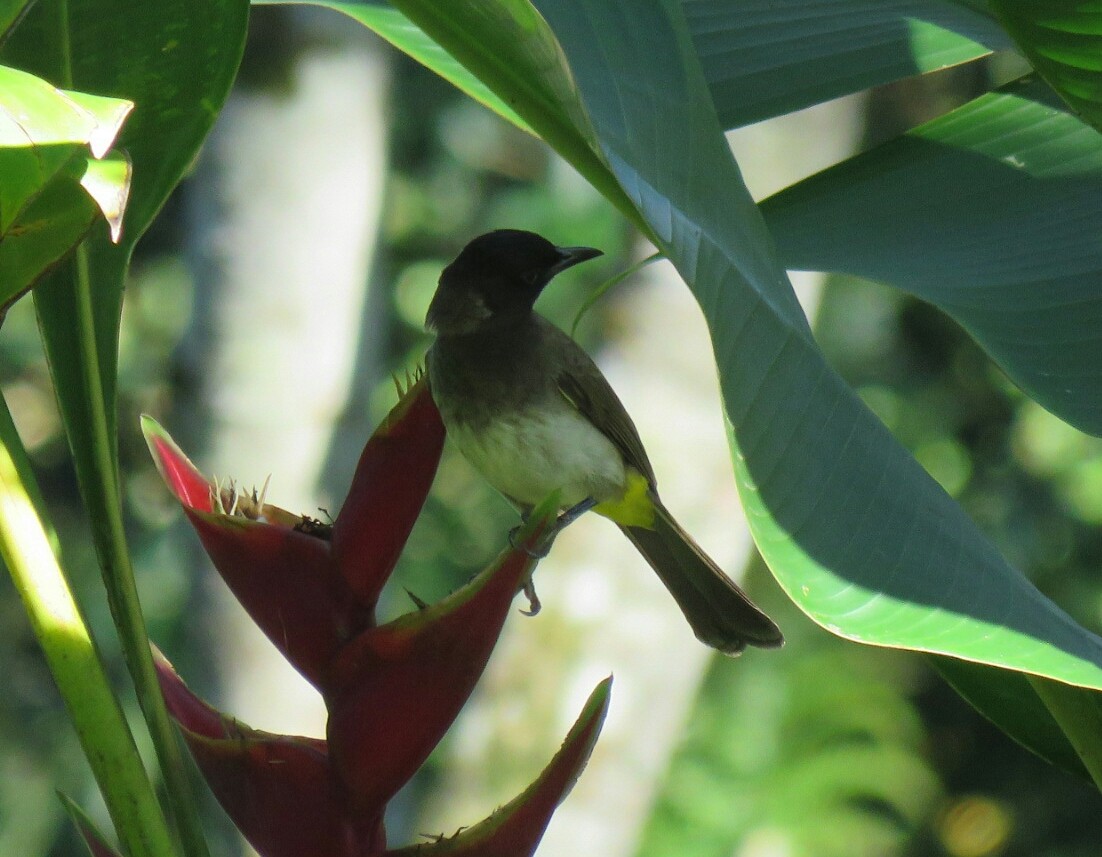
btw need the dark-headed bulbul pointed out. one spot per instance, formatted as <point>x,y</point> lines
<point>533,414</point>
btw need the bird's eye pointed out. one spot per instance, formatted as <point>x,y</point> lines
<point>532,278</point>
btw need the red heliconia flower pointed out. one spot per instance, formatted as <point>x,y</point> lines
<point>391,690</point>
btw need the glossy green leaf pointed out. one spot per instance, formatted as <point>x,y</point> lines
<point>857,533</point>
<point>398,30</point>
<point>175,60</point>
<point>1063,41</point>
<point>861,538</point>
<point>503,47</point>
<point>1008,700</point>
<point>988,212</point>
<point>766,59</point>
<point>50,141</point>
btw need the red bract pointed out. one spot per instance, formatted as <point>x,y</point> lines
<point>391,690</point>
<point>93,839</point>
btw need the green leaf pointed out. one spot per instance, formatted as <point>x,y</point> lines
<point>987,213</point>
<point>10,13</point>
<point>107,182</point>
<point>1063,41</point>
<point>509,48</point>
<point>71,654</point>
<point>50,141</point>
<point>175,60</point>
<point>1079,715</point>
<point>390,24</point>
<point>767,59</point>
<point>1009,701</point>
<point>861,538</point>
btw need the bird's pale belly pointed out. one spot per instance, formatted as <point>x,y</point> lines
<point>527,455</point>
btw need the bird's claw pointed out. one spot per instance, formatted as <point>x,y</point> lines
<point>529,590</point>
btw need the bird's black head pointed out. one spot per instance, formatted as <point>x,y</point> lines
<point>496,279</point>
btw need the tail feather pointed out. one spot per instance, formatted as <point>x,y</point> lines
<point>721,614</point>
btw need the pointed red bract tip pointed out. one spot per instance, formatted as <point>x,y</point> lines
<point>187,709</point>
<point>389,488</point>
<point>182,477</point>
<point>93,839</point>
<point>515,830</point>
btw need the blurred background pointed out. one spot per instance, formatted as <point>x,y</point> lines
<point>269,307</point>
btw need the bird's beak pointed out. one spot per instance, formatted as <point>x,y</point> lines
<point>571,256</point>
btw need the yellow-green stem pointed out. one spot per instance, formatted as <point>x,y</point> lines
<point>101,492</point>
<point>75,662</point>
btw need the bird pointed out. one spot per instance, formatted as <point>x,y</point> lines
<point>532,413</point>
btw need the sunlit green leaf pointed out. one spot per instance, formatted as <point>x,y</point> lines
<point>107,181</point>
<point>397,29</point>
<point>486,47</point>
<point>1063,40</point>
<point>49,142</point>
<point>175,60</point>
<point>766,59</point>
<point>984,212</point>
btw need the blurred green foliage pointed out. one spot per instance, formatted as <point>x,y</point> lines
<point>824,749</point>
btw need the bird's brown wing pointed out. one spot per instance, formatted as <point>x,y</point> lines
<point>582,384</point>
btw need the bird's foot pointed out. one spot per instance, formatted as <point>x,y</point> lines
<point>543,546</point>
<point>569,516</point>
<point>536,551</point>
<point>529,590</point>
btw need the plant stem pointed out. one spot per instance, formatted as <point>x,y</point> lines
<point>74,660</point>
<point>102,499</point>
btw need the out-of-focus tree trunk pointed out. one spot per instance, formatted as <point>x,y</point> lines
<point>283,211</point>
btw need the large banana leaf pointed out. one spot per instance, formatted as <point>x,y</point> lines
<point>986,213</point>
<point>1063,40</point>
<point>759,59</point>
<point>860,537</point>
<point>766,59</point>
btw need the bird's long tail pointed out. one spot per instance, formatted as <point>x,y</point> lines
<point>721,614</point>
